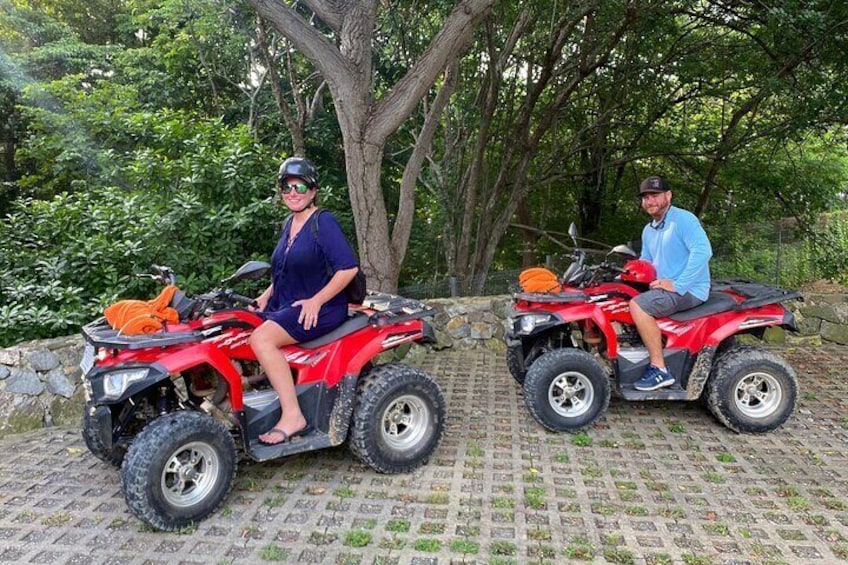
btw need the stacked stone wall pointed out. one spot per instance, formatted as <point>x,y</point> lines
<point>40,381</point>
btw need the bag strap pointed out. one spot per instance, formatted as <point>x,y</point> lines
<point>327,267</point>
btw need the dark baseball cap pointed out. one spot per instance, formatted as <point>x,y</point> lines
<point>654,184</point>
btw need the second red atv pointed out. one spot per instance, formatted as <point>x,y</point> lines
<point>569,349</point>
<point>170,410</point>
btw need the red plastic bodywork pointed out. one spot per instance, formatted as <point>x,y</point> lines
<point>328,363</point>
<point>609,302</point>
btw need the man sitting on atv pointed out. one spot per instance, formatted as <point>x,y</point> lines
<point>676,244</point>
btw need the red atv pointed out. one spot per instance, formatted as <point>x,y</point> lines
<point>169,407</point>
<point>569,348</point>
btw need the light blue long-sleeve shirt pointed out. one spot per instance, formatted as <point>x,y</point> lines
<point>679,250</point>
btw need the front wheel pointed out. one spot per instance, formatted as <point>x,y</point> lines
<point>751,390</point>
<point>566,390</point>
<point>399,418</point>
<point>515,363</point>
<point>178,470</point>
<point>91,436</point>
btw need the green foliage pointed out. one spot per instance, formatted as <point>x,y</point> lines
<point>138,132</point>
<point>65,259</point>
<point>202,211</point>
<point>781,253</point>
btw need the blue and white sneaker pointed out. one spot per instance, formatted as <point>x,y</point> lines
<point>654,378</point>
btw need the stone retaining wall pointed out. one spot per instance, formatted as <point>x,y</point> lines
<point>40,381</point>
<point>40,384</point>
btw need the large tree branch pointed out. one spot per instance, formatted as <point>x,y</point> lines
<point>406,205</point>
<point>451,40</point>
<point>326,11</point>
<point>317,48</point>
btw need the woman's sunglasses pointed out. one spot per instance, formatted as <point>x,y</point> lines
<point>299,187</point>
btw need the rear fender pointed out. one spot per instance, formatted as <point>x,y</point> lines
<point>386,339</point>
<point>751,322</point>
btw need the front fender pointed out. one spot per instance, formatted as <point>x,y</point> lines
<point>207,353</point>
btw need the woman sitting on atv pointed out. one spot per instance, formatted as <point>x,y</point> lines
<point>310,268</point>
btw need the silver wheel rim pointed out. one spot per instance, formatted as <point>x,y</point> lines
<point>571,394</point>
<point>190,474</point>
<point>758,395</point>
<point>404,422</point>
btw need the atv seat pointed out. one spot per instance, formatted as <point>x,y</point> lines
<point>716,302</point>
<point>355,322</point>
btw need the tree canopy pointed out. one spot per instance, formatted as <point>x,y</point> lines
<point>453,138</point>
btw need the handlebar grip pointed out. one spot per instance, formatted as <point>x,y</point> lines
<point>243,299</point>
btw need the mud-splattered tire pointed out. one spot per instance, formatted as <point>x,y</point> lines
<point>399,418</point>
<point>751,390</point>
<point>178,470</point>
<point>515,364</point>
<point>566,390</point>
<point>113,456</point>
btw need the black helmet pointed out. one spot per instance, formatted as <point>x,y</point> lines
<point>301,168</point>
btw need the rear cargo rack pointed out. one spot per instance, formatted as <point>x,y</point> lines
<point>755,294</point>
<point>100,334</point>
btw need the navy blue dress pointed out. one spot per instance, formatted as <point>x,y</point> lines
<point>301,270</point>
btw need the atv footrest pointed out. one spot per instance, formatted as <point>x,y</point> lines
<point>310,441</point>
<point>671,393</point>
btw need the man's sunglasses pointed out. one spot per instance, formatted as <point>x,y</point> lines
<point>301,188</point>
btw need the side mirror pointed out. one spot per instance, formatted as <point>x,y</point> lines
<point>252,270</point>
<point>572,231</point>
<point>623,250</point>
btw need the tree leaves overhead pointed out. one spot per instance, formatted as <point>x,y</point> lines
<point>553,114</point>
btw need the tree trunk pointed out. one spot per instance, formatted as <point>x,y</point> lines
<point>363,160</point>
<point>365,120</point>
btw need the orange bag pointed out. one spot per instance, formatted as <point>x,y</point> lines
<point>132,317</point>
<point>538,279</point>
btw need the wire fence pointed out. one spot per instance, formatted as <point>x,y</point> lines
<point>774,252</point>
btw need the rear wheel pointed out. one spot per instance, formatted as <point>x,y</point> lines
<point>399,418</point>
<point>566,390</point>
<point>751,390</point>
<point>178,470</point>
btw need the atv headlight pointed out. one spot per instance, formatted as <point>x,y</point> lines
<point>116,382</point>
<point>530,322</point>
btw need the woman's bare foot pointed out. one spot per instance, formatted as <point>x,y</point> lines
<point>284,430</point>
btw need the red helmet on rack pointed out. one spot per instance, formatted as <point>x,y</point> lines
<point>638,270</point>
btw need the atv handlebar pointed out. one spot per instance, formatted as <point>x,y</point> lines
<point>161,274</point>
<point>238,298</point>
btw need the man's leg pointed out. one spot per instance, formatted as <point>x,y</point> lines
<point>658,303</point>
<point>650,333</point>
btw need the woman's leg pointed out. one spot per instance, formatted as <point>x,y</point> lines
<point>266,342</point>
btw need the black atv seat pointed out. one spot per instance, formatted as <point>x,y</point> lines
<point>355,322</point>
<point>716,302</point>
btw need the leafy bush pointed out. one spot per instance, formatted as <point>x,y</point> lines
<point>779,254</point>
<point>65,259</point>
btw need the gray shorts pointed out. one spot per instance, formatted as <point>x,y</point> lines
<point>660,303</point>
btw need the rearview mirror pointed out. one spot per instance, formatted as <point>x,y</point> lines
<point>623,250</point>
<point>572,231</point>
<point>252,271</point>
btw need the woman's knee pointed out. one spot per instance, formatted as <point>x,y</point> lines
<point>269,336</point>
<point>261,338</point>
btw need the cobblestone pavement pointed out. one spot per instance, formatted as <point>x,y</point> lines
<point>651,483</point>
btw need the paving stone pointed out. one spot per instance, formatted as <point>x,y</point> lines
<point>660,482</point>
